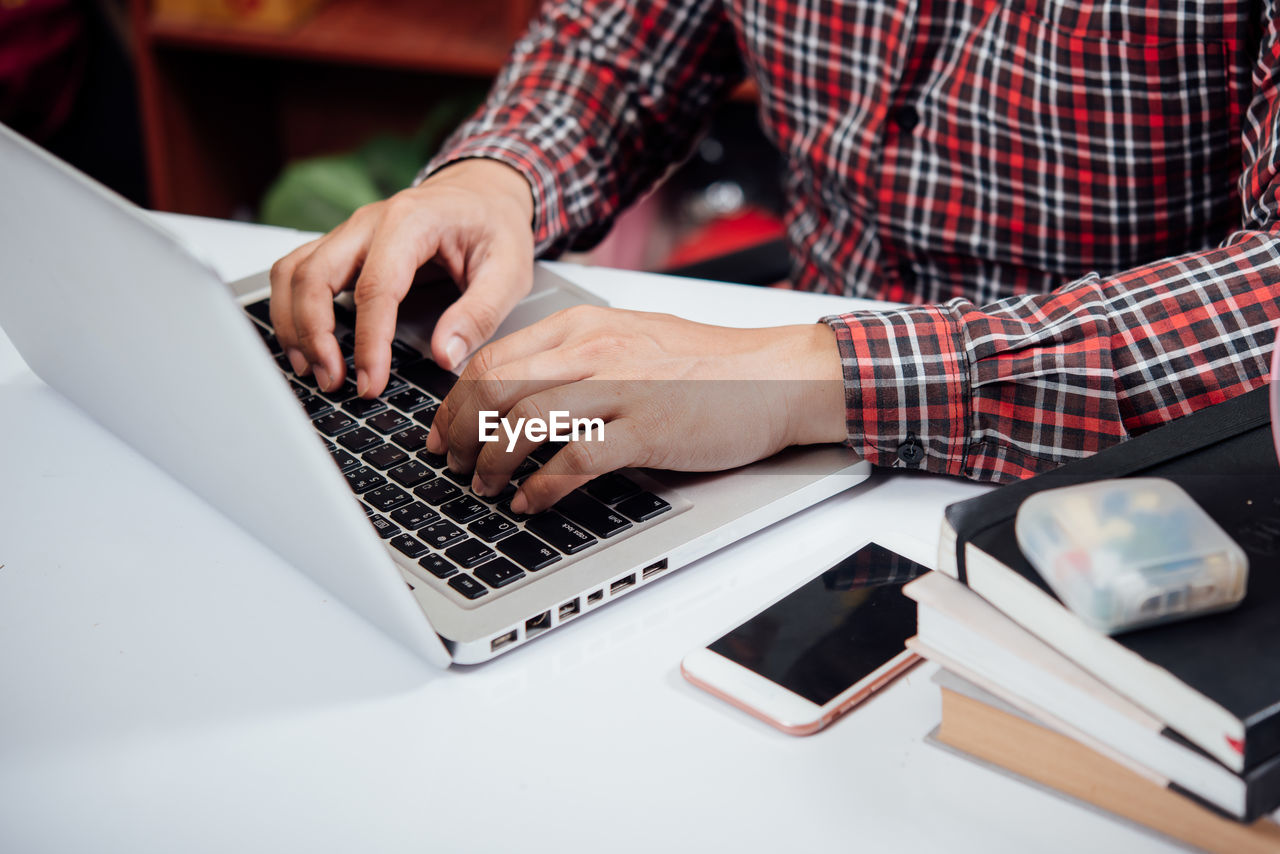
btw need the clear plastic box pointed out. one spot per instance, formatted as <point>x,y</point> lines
<point>1123,554</point>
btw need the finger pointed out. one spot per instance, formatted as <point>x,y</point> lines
<point>500,280</point>
<point>406,241</point>
<point>543,336</point>
<point>498,391</point>
<point>579,462</point>
<point>282,302</point>
<point>324,273</point>
<point>492,461</point>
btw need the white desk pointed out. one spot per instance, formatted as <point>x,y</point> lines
<point>169,685</point>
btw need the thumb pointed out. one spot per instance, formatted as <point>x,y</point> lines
<point>495,288</point>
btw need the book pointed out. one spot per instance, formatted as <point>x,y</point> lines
<point>961,631</point>
<point>1213,679</point>
<point>981,727</point>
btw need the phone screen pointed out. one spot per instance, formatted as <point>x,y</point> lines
<point>834,631</point>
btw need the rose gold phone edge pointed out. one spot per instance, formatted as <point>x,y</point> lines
<point>856,693</point>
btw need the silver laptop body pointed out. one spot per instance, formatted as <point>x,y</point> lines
<point>110,310</point>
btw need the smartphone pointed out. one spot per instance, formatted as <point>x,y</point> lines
<point>820,650</point>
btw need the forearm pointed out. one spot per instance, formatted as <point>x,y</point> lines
<point>596,101</point>
<point>1003,391</point>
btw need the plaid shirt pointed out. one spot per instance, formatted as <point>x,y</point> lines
<point>1078,197</point>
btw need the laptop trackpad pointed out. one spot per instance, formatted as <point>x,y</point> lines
<point>430,296</point>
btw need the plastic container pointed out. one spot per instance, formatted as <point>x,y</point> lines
<point>1123,554</point>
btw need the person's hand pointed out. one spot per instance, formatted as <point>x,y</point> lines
<point>673,394</point>
<point>472,218</point>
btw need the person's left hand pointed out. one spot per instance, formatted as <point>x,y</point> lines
<point>673,394</point>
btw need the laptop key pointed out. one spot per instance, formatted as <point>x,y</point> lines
<point>413,439</point>
<point>409,546</point>
<point>437,566</point>
<point>504,507</point>
<point>360,407</point>
<point>499,573</point>
<point>430,376</point>
<point>437,492</point>
<point>315,405</point>
<point>383,526</point>
<point>410,474</point>
<point>527,467</point>
<point>346,391</point>
<point>592,515</point>
<point>436,461</point>
<point>643,507</point>
<point>410,400</point>
<point>528,551</point>
<point>359,440</point>
<point>414,516</point>
<point>388,422</point>
<point>385,456</point>
<point>441,534</point>
<point>333,423</point>
<point>469,553</point>
<point>261,310</point>
<point>363,479</point>
<point>467,586</point>
<point>464,509</point>
<point>612,488</point>
<point>560,532</point>
<point>492,528</point>
<point>462,478</point>
<point>427,414</point>
<point>345,461</point>
<point>403,354</point>
<point>387,498</point>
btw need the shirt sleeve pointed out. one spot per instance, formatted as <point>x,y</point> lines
<point>1003,391</point>
<point>597,100</point>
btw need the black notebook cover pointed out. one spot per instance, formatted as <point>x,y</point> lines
<point>1224,458</point>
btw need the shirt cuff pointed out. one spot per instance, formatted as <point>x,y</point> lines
<point>906,387</point>
<point>550,223</point>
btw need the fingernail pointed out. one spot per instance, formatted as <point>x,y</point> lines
<point>478,486</point>
<point>296,359</point>
<point>519,503</point>
<point>322,377</point>
<point>456,349</point>
<point>434,443</point>
<point>362,383</point>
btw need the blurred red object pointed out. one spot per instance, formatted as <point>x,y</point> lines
<point>726,235</point>
<point>43,51</point>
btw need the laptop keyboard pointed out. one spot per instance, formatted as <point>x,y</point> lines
<point>475,545</point>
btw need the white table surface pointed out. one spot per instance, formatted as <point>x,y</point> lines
<point>170,685</point>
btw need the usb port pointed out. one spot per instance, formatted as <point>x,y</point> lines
<point>502,640</point>
<point>653,569</point>
<point>622,584</point>
<point>569,609</point>
<point>537,625</point>
<point>594,598</point>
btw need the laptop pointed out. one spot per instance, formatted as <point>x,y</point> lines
<point>113,312</point>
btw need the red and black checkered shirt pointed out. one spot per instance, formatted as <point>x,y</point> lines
<point>1079,197</point>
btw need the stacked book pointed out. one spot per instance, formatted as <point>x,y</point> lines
<point>1175,727</point>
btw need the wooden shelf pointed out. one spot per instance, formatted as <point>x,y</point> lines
<point>461,38</point>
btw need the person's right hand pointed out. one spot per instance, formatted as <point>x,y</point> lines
<point>473,219</point>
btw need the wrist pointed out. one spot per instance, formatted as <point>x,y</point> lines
<point>816,411</point>
<point>490,177</point>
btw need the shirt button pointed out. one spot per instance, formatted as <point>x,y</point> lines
<point>911,452</point>
<point>906,118</point>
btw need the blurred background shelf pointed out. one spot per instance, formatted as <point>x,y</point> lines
<point>409,35</point>
<point>224,107</point>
